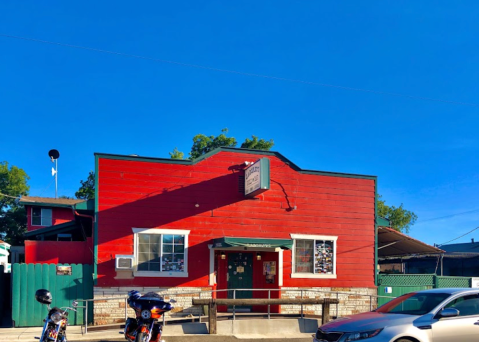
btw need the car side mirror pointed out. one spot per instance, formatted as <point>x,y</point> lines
<point>74,303</point>
<point>450,312</point>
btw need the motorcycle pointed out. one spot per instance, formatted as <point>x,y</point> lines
<point>56,321</point>
<point>148,309</point>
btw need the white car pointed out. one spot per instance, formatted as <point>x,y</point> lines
<point>438,315</point>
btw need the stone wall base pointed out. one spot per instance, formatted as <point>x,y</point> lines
<point>110,302</point>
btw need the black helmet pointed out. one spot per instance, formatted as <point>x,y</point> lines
<point>43,296</point>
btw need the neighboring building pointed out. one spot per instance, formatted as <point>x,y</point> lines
<point>459,259</point>
<point>190,226</point>
<point>4,253</point>
<point>58,230</point>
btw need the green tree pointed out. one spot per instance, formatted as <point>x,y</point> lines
<point>87,188</point>
<point>13,218</point>
<point>400,218</point>
<point>203,144</point>
<point>255,144</point>
<point>176,154</point>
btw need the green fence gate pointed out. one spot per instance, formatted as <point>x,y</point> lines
<point>405,283</point>
<point>65,288</point>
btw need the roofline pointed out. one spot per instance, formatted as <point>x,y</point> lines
<point>47,204</point>
<point>231,149</point>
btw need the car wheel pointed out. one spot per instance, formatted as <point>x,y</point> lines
<point>404,340</point>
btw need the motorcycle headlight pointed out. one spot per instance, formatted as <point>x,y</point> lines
<point>56,317</point>
<point>362,335</point>
<point>146,314</point>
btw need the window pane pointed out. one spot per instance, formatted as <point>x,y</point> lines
<point>180,239</point>
<point>324,257</point>
<point>167,238</point>
<point>36,212</point>
<point>143,257</point>
<point>155,266</point>
<point>143,238</point>
<point>36,220</point>
<point>304,256</point>
<point>167,249</point>
<point>155,239</point>
<point>142,248</point>
<point>46,217</point>
<point>143,266</point>
<point>167,258</point>
<point>179,248</point>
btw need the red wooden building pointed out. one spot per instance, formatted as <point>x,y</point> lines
<point>58,230</point>
<point>234,217</point>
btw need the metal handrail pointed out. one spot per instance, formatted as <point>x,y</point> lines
<point>172,294</point>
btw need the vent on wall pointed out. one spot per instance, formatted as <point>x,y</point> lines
<point>124,262</point>
<point>241,184</point>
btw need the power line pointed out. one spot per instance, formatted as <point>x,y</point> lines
<point>458,237</point>
<point>9,196</point>
<point>449,216</point>
<point>277,78</point>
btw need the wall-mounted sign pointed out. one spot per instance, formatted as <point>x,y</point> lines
<point>269,268</point>
<point>474,282</point>
<point>240,269</point>
<point>256,178</point>
<point>64,270</point>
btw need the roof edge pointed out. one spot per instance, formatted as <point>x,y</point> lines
<point>236,150</point>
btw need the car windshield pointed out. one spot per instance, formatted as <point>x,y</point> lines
<point>415,303</point>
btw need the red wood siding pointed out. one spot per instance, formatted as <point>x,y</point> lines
<point>59,215</point>
<point>59,252</point>
<point>145,194</point>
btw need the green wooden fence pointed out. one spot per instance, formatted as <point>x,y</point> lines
<point>27,278</point>
<point>405,283</point>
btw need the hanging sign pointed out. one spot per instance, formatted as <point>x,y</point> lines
<point>256,177</point>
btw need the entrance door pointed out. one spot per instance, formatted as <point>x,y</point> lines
<point>240,276</point>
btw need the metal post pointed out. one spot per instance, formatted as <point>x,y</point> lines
<point>56,178</point>
<point>86,316</point>
<point>269,297</point>
<point>126,308</point>
<point>370,303</point>
<point>234,306</point>
<point>301,304</point>
<point>337,305</point>
<point>199,311</point>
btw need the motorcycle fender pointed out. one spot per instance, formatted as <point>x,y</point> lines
<point>144,329</point>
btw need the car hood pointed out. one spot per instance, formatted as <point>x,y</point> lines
<point>367,321</point>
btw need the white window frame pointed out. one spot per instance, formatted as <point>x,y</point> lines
<point>137,273</point>
<point>313,275</point>
<point>41,217</point>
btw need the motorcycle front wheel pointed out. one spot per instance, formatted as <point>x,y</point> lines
<point>141,337</point>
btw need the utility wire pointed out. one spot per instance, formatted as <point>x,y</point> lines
<point>277,78</point>
<point>449,216</point>
<point>458,237</point>
<point>9,196</point>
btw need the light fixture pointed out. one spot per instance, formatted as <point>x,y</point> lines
<point>223,256</point>
<point>258,256</point>
<point>197,205</point>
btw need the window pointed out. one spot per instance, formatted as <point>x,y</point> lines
<point>314,256</point>
<point>467,305</point>
<point>41,217</point>
<point>161,252</point>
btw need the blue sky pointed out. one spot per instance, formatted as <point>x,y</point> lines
<point>81,101</point>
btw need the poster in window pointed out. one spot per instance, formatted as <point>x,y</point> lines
<point>323,257</point>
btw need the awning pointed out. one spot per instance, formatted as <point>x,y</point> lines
<point>226,242</point>
<point>392,243</point>
<point>53,230</point>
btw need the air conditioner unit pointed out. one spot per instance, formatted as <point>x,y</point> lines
<point>124,262</point>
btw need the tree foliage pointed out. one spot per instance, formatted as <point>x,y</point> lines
<point>400,218</point>
<point>257,144</point>
<point>202,144</point>
<point>13,218</point>
<point>87,188</point>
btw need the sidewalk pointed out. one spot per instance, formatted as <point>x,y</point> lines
<point>299,330</point>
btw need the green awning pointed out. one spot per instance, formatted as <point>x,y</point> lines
<point>226,242</point>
